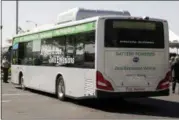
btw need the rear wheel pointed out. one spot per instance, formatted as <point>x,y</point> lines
<point>60,87</point>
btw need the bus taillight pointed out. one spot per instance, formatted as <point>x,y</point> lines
<point>101,83</point>
<point>165,83</point>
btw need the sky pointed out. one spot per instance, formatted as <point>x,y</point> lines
<point>45,12</point>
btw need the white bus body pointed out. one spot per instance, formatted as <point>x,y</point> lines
<point>121,61</point>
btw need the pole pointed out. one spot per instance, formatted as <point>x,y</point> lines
<point>1,17</point>
<point>17,16</point>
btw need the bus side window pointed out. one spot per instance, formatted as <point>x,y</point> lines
<point>28,54</point>
<point>21,53</point>
<point>70,46</point>
<point>37,58</point>
<point>90,50</point>
<point>14,57</point>
<point>60,49</point>
<point>79,50</point>
<point>51,49</point>
<point>70,50</point>
<point>44,54</point>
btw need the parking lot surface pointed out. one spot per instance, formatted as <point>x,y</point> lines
<point>34,105</point>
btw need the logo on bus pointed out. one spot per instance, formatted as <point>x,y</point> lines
<point>136,59</point>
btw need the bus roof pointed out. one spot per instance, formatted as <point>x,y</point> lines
<point>82,13</point>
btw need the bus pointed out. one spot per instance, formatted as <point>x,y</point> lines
<point>98,57</point>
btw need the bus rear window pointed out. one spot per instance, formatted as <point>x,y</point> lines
<point>134,34</point>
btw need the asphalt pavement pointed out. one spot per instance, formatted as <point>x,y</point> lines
<point>34,105</point>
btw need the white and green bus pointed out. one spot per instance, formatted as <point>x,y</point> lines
<point>97,57</point>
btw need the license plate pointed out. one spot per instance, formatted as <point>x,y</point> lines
<point>135,78</point>
<point>135,89</point>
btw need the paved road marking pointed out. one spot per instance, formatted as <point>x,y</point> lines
<point>5,101</point>
<point>17,94</point>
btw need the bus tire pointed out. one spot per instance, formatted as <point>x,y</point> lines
<point>22,83</point>
<point>60,87</point>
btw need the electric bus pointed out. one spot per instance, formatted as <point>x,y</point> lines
<point>98,57</point>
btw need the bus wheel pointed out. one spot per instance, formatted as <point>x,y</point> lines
<point>61,89</point>
<point>22,83</point>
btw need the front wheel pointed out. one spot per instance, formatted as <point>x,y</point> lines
<point>61,89</point>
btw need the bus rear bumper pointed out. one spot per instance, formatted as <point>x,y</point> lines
<point>105,94</point>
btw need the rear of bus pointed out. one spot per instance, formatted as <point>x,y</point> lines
<point>134,59</point>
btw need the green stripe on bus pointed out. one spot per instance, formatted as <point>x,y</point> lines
<point>57,32</point>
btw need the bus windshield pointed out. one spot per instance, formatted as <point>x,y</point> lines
<point>134,34</point>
